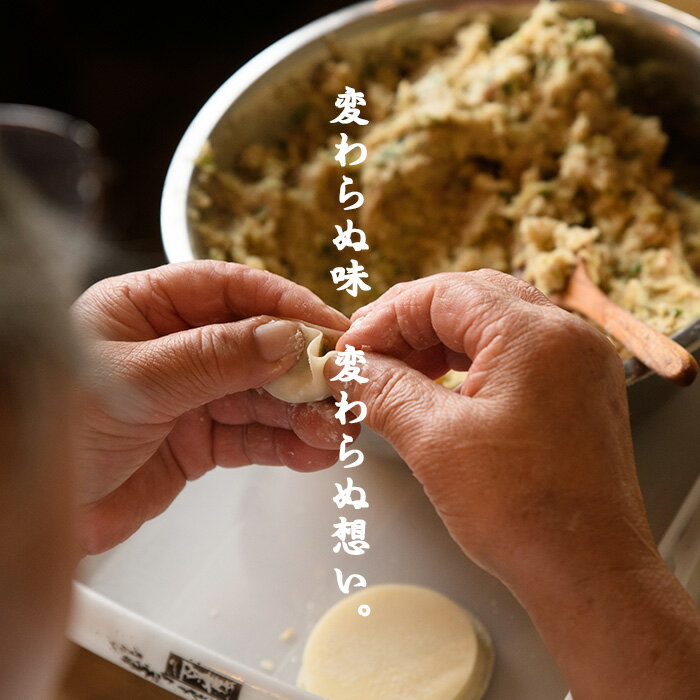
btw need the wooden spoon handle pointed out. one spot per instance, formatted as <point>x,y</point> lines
<point>658,352</point>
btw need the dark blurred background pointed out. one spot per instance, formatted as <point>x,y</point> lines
<point>138,72</point>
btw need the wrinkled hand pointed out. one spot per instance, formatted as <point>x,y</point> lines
<point>530,466</point>
<point>514,461</point>
<point>176,357</point>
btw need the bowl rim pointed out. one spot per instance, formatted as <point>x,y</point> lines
<point>175,234</point>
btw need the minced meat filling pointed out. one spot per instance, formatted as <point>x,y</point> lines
<point>515,155</point>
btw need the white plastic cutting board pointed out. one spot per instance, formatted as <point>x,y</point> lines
<point>244,554</point>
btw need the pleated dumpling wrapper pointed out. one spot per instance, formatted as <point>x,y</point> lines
<point>416,643</point>
<point>305,381</point>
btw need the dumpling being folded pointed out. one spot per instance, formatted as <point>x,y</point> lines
<point>305,381</point>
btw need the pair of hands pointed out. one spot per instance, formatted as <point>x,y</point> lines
<point>179,354</point>
<point>529,463</point>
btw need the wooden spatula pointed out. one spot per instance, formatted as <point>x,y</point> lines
<point>658,352</point>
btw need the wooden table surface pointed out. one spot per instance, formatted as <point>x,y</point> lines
<point>88,677</point>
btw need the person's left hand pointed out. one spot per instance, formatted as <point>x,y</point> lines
<point>178,356</point>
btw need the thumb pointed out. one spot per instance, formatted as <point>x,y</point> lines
<point>184,370</point>
<point>403,405</point>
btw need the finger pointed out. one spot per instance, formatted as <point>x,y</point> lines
<point>181,371</point>
<point>152,488</point>
<point>144,495</point>
<point>239,445</point>
<point>387,296</point>
<point>516,285</point>
<point>313,423</point>
<point>403,405</point>
<point>438,297</point>
<point>465,312</point>
<point>145,305</point>
<point>437,360</point>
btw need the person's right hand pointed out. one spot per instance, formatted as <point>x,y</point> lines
<point>529,464</point>
<point>532,456</point>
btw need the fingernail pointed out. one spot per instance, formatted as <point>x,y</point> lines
<point>277,339</point>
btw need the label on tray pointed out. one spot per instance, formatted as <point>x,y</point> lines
<point>200,678</point>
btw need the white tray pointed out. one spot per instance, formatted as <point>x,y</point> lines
<point>199,597</point>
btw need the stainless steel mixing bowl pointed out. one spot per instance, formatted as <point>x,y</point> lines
<point>660,44</point>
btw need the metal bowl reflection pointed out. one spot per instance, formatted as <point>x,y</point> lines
<point>660,45</point>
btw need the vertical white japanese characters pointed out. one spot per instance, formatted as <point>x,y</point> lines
<point>350,533</point>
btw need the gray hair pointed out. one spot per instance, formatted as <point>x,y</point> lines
<point>39,263</point>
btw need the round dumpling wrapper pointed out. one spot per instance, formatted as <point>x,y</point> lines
<point>415,643</point>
